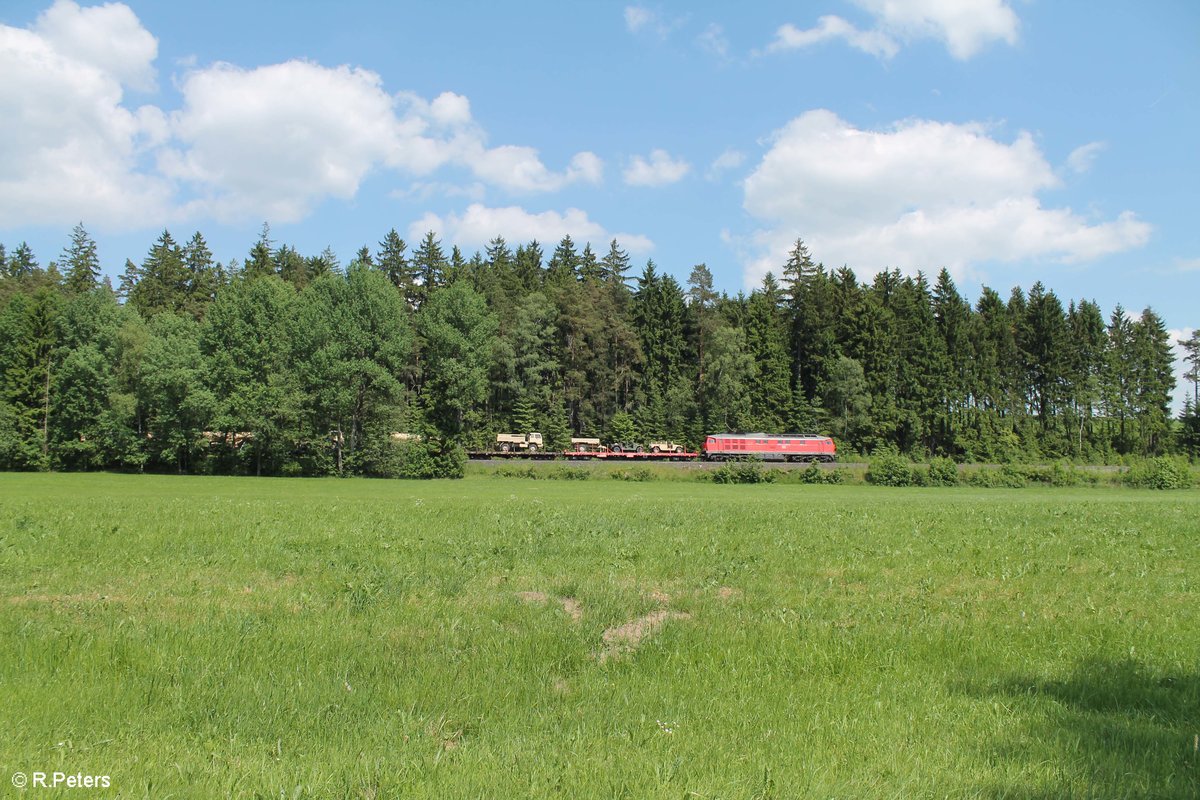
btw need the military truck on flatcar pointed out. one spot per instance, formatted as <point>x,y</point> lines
<point>509,442</point>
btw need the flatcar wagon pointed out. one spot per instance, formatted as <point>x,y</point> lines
<point>769,447</point>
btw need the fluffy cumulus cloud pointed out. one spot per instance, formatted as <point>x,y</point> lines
<point>270,142</point>
<point>479,224</point>
<point>660,169</point>
<point>276,140</point>
<point>964,26</point>
<point>830,28</point>
<point>108,37</point>
<point>918,195</point>
<point>72,148</point>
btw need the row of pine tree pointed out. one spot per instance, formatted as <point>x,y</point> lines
<point>291,364</point>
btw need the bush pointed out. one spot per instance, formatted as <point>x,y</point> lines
<point>942,472</point>
<point>744,472</point>
<point>815,475</point>
<point>1159,473</point>
<point>1009,476</point>
<point>422,461</point>
<point>889,468</point>
<point>568,474</point>
<point>637,474</point>
<point>535,474</point>
<point>1061,475</point>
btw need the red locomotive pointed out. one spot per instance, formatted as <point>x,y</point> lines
<point>769,447</point>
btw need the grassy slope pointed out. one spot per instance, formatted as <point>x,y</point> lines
<point>223,636</point>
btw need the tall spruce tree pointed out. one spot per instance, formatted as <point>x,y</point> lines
<point>163,282</point>
<point>1191,357</point>
<point>766,341</point>
<point>1119,382</point>
<point>261,260</point>
<point>203,280</point>
<point>394,263</point>
<point>1154,379</point>
<point>615,265</point>
<point>81,262</point>
<point>429,263</point>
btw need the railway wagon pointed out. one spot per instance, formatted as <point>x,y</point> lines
<point>769,447</point>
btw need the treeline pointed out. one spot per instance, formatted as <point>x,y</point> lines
<point>292,364</point>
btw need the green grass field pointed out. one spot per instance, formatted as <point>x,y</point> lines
<point>498,637</point>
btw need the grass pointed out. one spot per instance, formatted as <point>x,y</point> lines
<point>200,637</point>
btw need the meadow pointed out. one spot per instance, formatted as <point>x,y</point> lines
<point>504,637</point>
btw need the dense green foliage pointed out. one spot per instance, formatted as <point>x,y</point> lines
<point>292,365</point>
<point>216,637</point>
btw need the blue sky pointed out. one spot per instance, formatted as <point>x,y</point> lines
<point>1008,140</point>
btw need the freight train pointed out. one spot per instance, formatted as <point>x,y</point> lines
<point>805,447</point>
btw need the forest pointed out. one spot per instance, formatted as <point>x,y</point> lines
<point>287,364</point>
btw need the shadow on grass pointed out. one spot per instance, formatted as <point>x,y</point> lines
<point>1111,729</point>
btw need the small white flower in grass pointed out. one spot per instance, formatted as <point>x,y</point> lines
<point>664,727</point>
<point>346,684</point>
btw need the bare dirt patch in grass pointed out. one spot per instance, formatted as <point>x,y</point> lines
<point>624,639</point>
<point>570,606</point>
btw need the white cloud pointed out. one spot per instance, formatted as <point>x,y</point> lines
<point>1082,158</point>
<point>276,140</point>
<point>659,170</point>
<point>875,43</point>
<point>269,142</point>
<point>729,160</point>
<point>639,19</point>
<point>425,191</point>
<point>479,224</point>
<point>586,167</point>
<point>72,150</point>
<point>714,41</point>
<point>920,195</point>
<point>520,169</point>
<point>109,37</point>
<point>1187,264</point>
<point>964,26</point>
